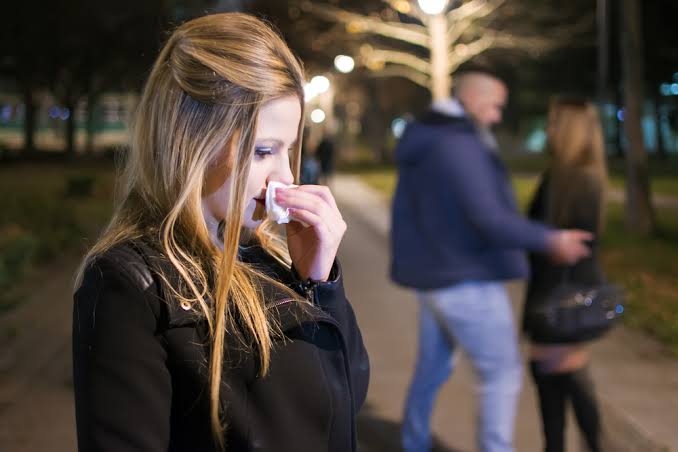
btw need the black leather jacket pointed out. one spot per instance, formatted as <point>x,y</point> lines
<point>546,275</point>
<point>140,367</point>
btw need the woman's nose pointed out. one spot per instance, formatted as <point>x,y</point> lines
<point>283,172</point>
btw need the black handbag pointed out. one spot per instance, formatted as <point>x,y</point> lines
<point>574,312</point>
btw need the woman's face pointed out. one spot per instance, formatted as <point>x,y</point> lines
<point>275,137</point>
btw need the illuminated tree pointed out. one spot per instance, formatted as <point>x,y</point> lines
<point>442,35</point>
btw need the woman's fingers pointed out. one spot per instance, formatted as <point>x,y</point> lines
<point>310,200</point>
<point>309,218</point>
<point>322,191</point>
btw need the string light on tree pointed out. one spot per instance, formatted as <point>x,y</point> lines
<point>317,116</point>
<point>344,63</point>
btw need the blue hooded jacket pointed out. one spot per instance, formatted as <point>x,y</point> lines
<point>454,216</point>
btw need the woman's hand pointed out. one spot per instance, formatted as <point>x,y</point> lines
<point>312,248</point>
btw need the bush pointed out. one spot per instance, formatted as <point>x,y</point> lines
<point>17,251</point>
<point>50,221</point>
<point>80,186</point>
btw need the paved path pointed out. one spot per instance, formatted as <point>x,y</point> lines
<point>36,401</point>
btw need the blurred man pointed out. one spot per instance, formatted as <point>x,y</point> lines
<point>325,153</point>
<point>456,236</point>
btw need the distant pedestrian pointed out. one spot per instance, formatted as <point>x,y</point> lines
<point>310,169</point>
<point>325,152</point>
<point>571,194</point>
<point>456,236</point>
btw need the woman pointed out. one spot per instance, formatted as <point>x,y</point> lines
<point>571,195</point>
<point>197,326</point>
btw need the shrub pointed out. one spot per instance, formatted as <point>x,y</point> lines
<point>17,251</point>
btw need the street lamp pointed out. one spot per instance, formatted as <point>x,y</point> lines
<point>432,7</point>
<point>344,63</point>
<point>320,83</point>
<point>317,116</point>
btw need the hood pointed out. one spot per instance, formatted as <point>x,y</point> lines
<point>419,134</point>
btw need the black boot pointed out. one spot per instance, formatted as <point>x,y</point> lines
<point>581,393</point>
<point>552,390</point>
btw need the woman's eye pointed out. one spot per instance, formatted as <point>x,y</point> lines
<point>262,151</point>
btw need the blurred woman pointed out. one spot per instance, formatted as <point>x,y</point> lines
<point>571,195</point>
<point>197,326</point>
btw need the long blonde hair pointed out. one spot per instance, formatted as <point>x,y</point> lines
<point>201,102</point>
<point>578,166</point>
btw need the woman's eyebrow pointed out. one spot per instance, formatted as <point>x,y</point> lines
<point>274,141</point>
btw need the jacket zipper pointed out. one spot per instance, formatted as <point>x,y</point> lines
<point>278,303</point>
<point>311,295</point>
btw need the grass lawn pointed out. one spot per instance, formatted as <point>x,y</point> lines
<point>46,210</point>
<point>664,173</point>
<point>646,267</point>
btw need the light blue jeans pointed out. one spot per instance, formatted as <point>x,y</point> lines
<point>477,317</point>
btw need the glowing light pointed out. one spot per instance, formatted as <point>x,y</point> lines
<point>432,7</point>
<point>344,63</point>
<point>375,65</point>
<point>317,116</point>
<point>6,113</point>
<point>674,89</point>
<point>665,89</point>
<point>54,111</point>
<point>403,6</point>
<point>320,83</point>
<point>309,92</point>
<point>398,126</point>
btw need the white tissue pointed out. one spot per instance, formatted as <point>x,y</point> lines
<point>274,211</point>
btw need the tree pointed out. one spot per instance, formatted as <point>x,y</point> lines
<point>101,48</point>
<point>639,211</point>
<point>76,49</point>
<point>439,44</point>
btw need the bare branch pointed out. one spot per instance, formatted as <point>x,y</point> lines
<point>474,10</point>
<point>396,57</point>
<point>537,43</point>
<point>404,72</point>
<point>406,7</point>
<point>460,19</point>
<point>529,44</point>
<point>358,23</point>
<point>464,52</point>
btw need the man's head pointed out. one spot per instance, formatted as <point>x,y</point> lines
<point>483,96</point>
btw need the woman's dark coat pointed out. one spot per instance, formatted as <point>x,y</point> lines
<point>585,207</point>
<point>141,377</point>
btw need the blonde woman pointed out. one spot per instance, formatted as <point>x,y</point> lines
<point>197,326</point>
<point>571,195</point>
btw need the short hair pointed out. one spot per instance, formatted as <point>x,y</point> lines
<point>461,78</point>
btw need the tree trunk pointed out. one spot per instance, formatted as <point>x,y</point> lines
<point>70,129</point>
<point>661,146</point>
<point>639,212</point>
<point>620,127</point>
<point>440,73</point>
<point>91,106</point>
<point>29,119</point>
